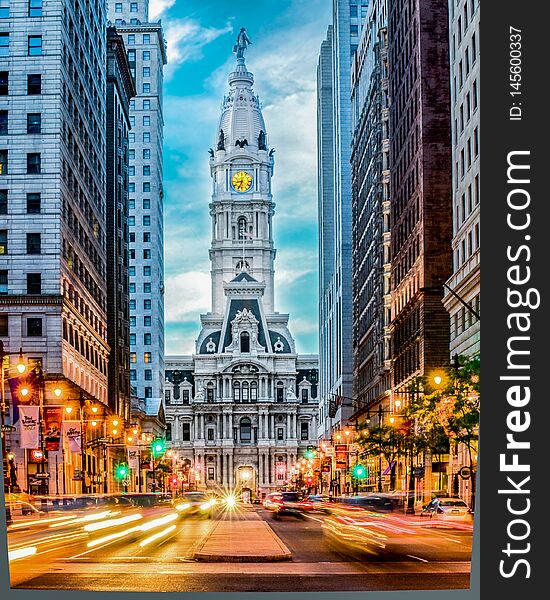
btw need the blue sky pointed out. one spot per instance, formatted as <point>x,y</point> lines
<point>286,36</point>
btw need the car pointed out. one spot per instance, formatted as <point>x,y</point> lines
<point>315,503</point>
<point>257,501</point>
<point>447,507</point>
<point>284,503</point>
<point>199,504</point>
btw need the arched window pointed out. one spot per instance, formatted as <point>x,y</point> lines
<point>241,228</point>
<point>246,431</point>
<point>236,392</point>
<point>244,390</point>
<point>245,342</point>
<point>254,391</point>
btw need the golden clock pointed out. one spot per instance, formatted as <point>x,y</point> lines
<point>241,181</point>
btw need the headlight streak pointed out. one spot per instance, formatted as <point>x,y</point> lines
<point>21,553</point>
<point>157,522</point>
<point>183,506</point>
<point>112,522</point>
<point>94,517</point>
<point>156,536</point>
<point>40,522</point>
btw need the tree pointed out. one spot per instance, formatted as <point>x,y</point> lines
<point>385,441</point>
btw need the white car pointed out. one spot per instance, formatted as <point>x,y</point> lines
<point>446,507</point>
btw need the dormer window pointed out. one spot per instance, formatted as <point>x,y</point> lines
<point>245,341</point>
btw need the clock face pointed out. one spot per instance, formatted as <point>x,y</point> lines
<point>241,181</point>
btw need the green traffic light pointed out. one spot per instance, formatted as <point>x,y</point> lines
<point>158,447</point>
<point>122,471</point>
<point>359,471</point>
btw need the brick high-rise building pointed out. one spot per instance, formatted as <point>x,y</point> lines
<point>420,171</point>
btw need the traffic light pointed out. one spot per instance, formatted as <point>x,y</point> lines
<point>158,447</point>
<point>122,471</point>
<point>310,452</point>
<point>360,472</point>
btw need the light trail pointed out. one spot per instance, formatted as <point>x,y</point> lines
<point>21,553</point>
<point>156,536</point>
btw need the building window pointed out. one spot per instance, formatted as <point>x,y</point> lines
<point>304,431</point>
<point>236,392</point>
<point>118,7</point>
<point>148,375</point>
<point>245,342</point>
<point>34,84</point>
<point>280,394</point>
<point>146,56</point>
<point>244,392</point>
<point>4,330</point>
<point>33,163</point>
<point>4,83</point>
<point>4,288</point>
<point>146,88</point>
<point>34,123</point>
<point>146,104</point>
<point>34,243</point>
<point>35,8</point>
<point>131,39</point>
<point>210,394</point>
<point>253,391</point>
<point>305,395</point>
<point>147,357</point>
<point>4,44</point>
<point>132,305</point>
<point>146,153</point>
<point>132,339</point>
<point>147,271</point>
<point>146,170</point>
<point>3,122</point>
<point>146,186</point>
<point>185,396</point>
<point>3,162</point>
<point>3,241</point>
<point>146,203</point>
<point>34,327</point>
<point>186,432</point>
<point>280,433</point>
<point>133,357</point>
<point>146,38</point>
<point>246,431</point>
<point>4,9</point>
<point>148,392</point>
<point>146,137</point>
<point>133,6</point>
<point>146,339</point>
<point>210,434</point>
<point>133,375</point>
<point>34,283</point>
<point>147,288</point>
<point>147,304</point>
<point>35,45</point>
<point>146,71</point>
<point>147,321</point>
<point>3,202</point>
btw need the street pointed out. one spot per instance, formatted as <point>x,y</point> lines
<point>152,549</point>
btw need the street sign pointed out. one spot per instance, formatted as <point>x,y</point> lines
<point>42,475</point>
<point>465,472</point>
<point>126,481</point>
<point>418,472</point>
<point>8,428</point>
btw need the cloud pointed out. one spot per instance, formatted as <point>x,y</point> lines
<point>187,295</point>
<point>185,39</point>
<point>158,7</point>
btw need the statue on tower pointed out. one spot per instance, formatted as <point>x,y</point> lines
<point>242,43</point>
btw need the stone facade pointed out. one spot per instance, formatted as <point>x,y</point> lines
<point>243,408</point>
<point>53,257</point>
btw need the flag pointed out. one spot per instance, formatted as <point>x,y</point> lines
<point>29,424</point>
<point>53,417</point>
<point>133,457</point>
<point>72,434</point>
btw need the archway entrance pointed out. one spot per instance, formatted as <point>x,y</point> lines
<point>246,495</point>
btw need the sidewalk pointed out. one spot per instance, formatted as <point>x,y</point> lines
<point>242,541</point>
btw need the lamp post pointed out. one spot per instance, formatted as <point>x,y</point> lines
<point>21,367</point>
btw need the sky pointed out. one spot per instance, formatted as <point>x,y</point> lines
<point>286,36</point>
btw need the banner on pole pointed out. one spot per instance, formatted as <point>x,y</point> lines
<point>72,434</point>
<point>29,424</point>
<point>53,417</point>
<point>133,457</point>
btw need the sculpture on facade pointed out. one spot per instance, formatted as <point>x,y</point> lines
<point>290,395</point>
<point>241,143</point>
<point>211,152</point>
<point>261,140</point>
<point>221,141</point>
<point>242,43</point>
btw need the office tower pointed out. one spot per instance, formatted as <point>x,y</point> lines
<point>147,55</point>
<point>465,81</point>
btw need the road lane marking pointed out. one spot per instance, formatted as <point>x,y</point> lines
<point>417,557</point>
